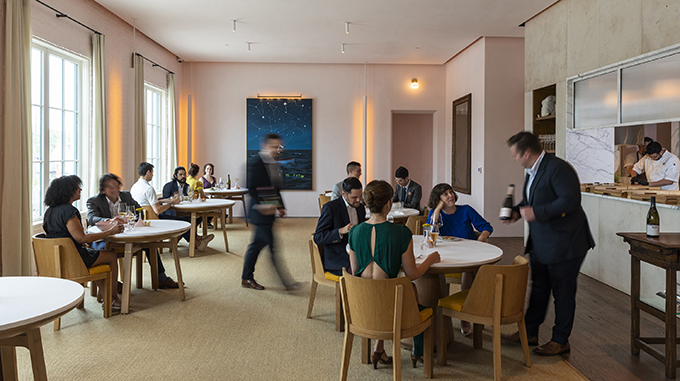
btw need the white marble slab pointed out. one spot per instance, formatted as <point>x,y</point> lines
<point>592,154</point>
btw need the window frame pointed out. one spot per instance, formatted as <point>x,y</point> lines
<point>159,162</point>
<point>82,120</point>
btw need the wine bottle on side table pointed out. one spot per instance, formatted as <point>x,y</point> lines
<point>653,219</point>
<point>506,209</point>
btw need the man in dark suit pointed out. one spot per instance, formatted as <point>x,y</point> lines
<point>337,218</point>
<point>407,191</point>
<point>264,183</point>
<point>104,206</point>
<point>559,238</point>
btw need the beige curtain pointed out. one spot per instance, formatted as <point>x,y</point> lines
<point>140,116</point>
<point>15,215</point>
<point>98,143</point>
<point>171,159</point>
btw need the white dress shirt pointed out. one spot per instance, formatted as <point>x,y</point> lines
<point>532,172</point>
<point>666,168</point>
<point>143,193</point>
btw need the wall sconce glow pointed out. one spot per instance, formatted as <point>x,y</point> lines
<point>233,25</point>
<point>414,83</point>
<point>248,46</point>
<point>346,27</point>
<point>342,48</point>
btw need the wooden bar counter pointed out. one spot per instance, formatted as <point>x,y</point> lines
<point>663,252</point>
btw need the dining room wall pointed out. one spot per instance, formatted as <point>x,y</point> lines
<point>218,129</point>
<point>121,42</point>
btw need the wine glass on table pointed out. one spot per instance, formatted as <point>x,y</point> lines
<point>122,210</point>
<point>190,192</point>
<point>131,217</point>
<point>434,234</point>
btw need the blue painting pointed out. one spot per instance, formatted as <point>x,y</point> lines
<point>292,119</point>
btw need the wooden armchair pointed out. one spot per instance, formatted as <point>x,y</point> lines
<point>496,298</point>
<point>58,258</point>
<point>322,200</point>
<point>384,309</point>
<point>326,279</point>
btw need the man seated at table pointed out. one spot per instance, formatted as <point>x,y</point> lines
<point>407,191</point>
<point>353,170</point>
<point>104,207</point>
<point>337,218</point>
<point>661,166</point>
<point>145,195</point>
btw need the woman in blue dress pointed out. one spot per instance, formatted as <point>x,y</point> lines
<point>458,221</point>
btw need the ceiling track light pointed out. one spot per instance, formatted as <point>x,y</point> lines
<point>248,43</point>
<point>342,48</point>
<point>346,27</point>
<point>233,25</point>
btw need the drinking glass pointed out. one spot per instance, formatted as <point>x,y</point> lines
<point>122,209</point>
<point>190,192</point>
<point>434,234</point>
<point>235,182</point>
<point>390,218</point>
<point>131,217</point>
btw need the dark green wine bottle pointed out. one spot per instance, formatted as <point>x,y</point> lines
<point>653,220</point>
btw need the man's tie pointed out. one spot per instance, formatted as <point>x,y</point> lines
<point>403,194</point>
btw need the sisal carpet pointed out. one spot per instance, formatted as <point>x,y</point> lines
<point>225,332</point>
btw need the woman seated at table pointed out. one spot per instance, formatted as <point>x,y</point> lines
<point>208,180</point>
<point>458,221</point>
<point>392,250</point>
<point>62,220</point>
<point>194,184</point>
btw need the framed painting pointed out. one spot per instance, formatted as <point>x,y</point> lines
<point>292,119</point>
<point>461,155</point>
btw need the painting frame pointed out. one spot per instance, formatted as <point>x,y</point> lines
<point>461,144</point>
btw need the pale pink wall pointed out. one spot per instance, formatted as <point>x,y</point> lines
<point>219,131</point>
<point>503,117</point>
<point>119,73</point>
<point>412,148</point>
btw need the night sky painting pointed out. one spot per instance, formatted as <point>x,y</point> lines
<point>292,119</point>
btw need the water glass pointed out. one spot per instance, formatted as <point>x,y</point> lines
<point>390,218</point>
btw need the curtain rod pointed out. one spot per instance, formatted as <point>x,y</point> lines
<point>62,14</point>
<point>153,63</point>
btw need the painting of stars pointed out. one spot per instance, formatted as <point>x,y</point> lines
<point>292,119</point>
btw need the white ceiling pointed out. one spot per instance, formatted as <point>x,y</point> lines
<point>312,31</point>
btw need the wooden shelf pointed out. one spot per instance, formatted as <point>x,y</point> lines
<point>549,150</point>
<point>547,117</point>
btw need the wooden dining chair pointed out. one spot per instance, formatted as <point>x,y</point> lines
<point>415,224</point>
<point>319,277</point>
<point>322,200</point>
<point>384,309</point>
<point>59,258</point>
<point>496,298</point>
<point>457,278</point>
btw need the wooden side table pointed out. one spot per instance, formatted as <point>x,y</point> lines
<point>663,252</point>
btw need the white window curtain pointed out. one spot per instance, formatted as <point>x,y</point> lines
<point>140,116</point>
<point>98,144</point>
<point>171,152</point>
<point>15,215</point>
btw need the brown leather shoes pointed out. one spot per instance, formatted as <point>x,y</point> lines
<point>168,283</point>
<point>250,283</point>
<point>552,349</point>
<point>514,338</point>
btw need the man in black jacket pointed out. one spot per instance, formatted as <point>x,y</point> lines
<point>559,238</point>
<point>337,218</point>
<point>264,183</point>
<point>104,206</point>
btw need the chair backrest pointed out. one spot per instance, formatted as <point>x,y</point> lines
<point>480,300</point>
<point>370,303</point>
<point>149,213</point>
<point>415,223</point>
<point>57,257</point>
<point>322,200</point>
<point>317,263</point>
<point>477,234</point>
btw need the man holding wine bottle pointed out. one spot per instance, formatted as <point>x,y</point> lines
<point>559,238</point>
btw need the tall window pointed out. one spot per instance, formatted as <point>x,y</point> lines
<point>57,99</point>
<point>155,132</point>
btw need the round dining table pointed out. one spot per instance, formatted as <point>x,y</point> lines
<point>236,194</point>
<point>399,215</point>
<point>151,237</point>
<point>204,208</point>
<point>26,304</point>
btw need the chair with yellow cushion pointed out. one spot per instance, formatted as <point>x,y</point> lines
<point>496,298</point>
<point>415,224</point>
<point>59,258</point>
<point>326,279</point>
<point>383,309</point>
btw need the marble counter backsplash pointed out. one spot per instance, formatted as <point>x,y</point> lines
<point>592,154</point>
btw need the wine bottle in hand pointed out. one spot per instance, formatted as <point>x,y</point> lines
<point>506,209</point>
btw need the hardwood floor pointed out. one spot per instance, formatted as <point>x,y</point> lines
<point>600,340</point>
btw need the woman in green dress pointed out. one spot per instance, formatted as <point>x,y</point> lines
<point>379,250</point>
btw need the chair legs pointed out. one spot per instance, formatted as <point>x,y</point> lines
<point>428,351</point>
<point>396,355</point>
<point>346,354</point>
<point>525,343</point>
<point>312,295</point>
<point>497,352</point>
<point>339,315</point>
<point>443,336</point>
